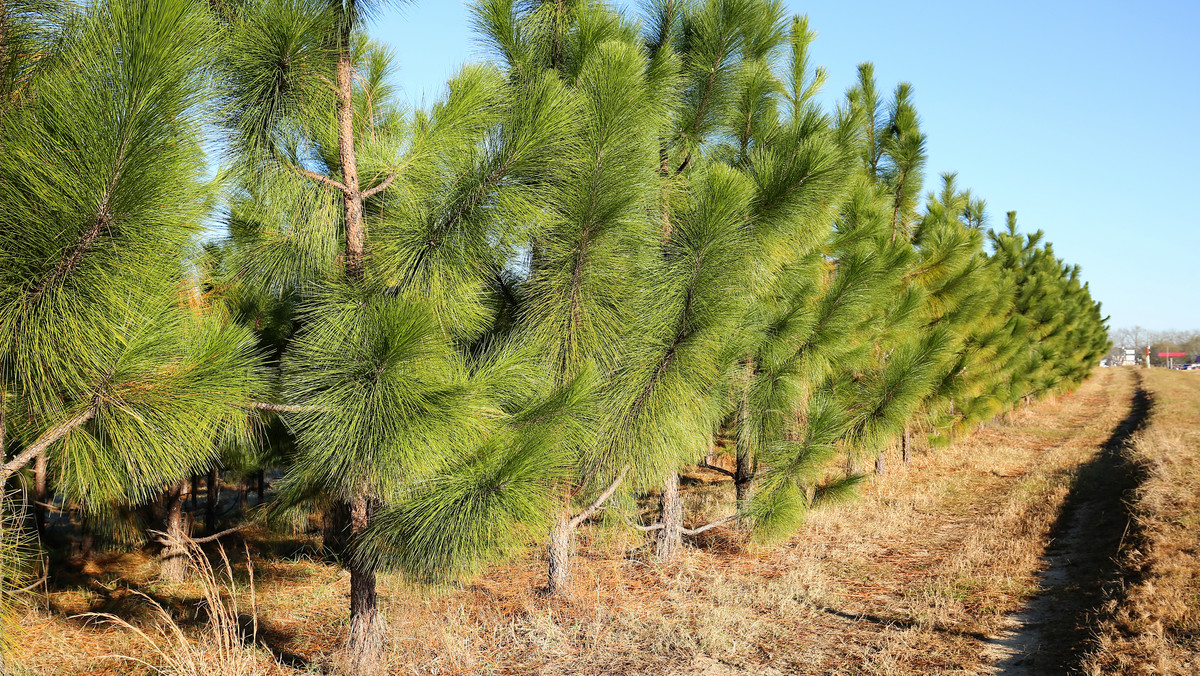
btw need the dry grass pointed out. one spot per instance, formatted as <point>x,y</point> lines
<point>911,579</point>
<point>1153,625</point>
<point>225,644</point>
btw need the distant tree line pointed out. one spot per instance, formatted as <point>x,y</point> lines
<point>620,249</point>
<point>1138,339</point>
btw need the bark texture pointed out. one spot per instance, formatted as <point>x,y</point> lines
<point>173,558</point>
<point>335,528</point>
<point>40,494</point>
<point>743,483</point>
<point>881,464</point>
<point>906,447</point>
<point>670,537</point>
<point>352,199</point>
<point>559,554</point>
<point>364,646</point>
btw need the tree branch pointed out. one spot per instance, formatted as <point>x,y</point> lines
<point>600,499</point>
<point>284,408</point>
<point>381,187</point>
<point>227,531</point>
<point>714,468</point>
<point>319,178</point>
<point>714,524</point>
<point>43,442</point>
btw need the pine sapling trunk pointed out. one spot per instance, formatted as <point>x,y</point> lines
<point>352,198</point>
<point>40,494</point>
<point>670,536</point>
<point>743,483</point>
<point>173,563</point>
<point>881,464</point>
<point>558,579</point>
<point>194,493</point>
<point>906,446</point>
<point>364,647</point>
<point>262,485</point>
<point>214,497</point>
<point>335,526</point>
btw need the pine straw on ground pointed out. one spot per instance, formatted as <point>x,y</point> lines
<point>1152,624</point>
<point>910,579</point>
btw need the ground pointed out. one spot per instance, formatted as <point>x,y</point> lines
<point>1006,552</point>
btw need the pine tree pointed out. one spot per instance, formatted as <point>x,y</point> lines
<point>392,381</point>
<point>107,375</point>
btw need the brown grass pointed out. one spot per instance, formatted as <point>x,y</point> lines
<point>911,579</point>
<point>1152,626</point>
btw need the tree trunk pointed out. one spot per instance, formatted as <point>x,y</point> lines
<point>559,552</point>
<point>352,199</point>
<point>40,494</point>
<point>214,497</point>
<point>262,485</point>
<point>881,464</point>
<point>670,536</point>
<point>173,564</point>
<point>364,647</point>
<point>906,446</point>
<point>743,483</point>
<point>243,494</point>
<point>84,549</point>
<point>194,494</point>
<point>335,526</point>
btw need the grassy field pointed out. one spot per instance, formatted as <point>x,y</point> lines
<point>931,571</point>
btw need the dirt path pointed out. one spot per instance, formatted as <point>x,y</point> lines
<point>1049,633</point>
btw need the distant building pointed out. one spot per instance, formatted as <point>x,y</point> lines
<point>1126,358</point>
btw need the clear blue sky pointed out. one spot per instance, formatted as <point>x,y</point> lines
<point>1081,116</point>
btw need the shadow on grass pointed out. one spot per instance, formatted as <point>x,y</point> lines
<point>1081,563</point>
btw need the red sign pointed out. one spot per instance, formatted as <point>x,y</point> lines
<point>1172,354</point>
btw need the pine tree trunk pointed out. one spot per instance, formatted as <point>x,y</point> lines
<point>743,483</point>
<point>352,199</point>
<point>84,549</point>
<point>558,579</point>
<point>364,647</point>
<point>214,497</point>
<point>243,494</point>
<point>335,526</point>
<point>194,494</point>
<point>906,446</point>
<point>40,494</point>
<point>670,536</point>
<point>173,564</point>
<point>881,464</point>
<point>262,485</point>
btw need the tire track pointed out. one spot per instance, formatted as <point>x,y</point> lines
<point>1050,633</point>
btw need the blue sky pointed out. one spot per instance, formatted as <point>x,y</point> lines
<point>1081,116</point>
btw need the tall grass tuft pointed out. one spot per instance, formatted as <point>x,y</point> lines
<point>224,645</point>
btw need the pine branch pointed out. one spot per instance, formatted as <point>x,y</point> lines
<point>43,442</point>
<point>714,524</point>
<point>285,408</point>
<point>227,531</point>
<point>721,470</point>
<point>319,178</point>
<point>381,187</point>
<point>600,499</point>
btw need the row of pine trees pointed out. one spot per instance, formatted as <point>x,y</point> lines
<point>622,247</point>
